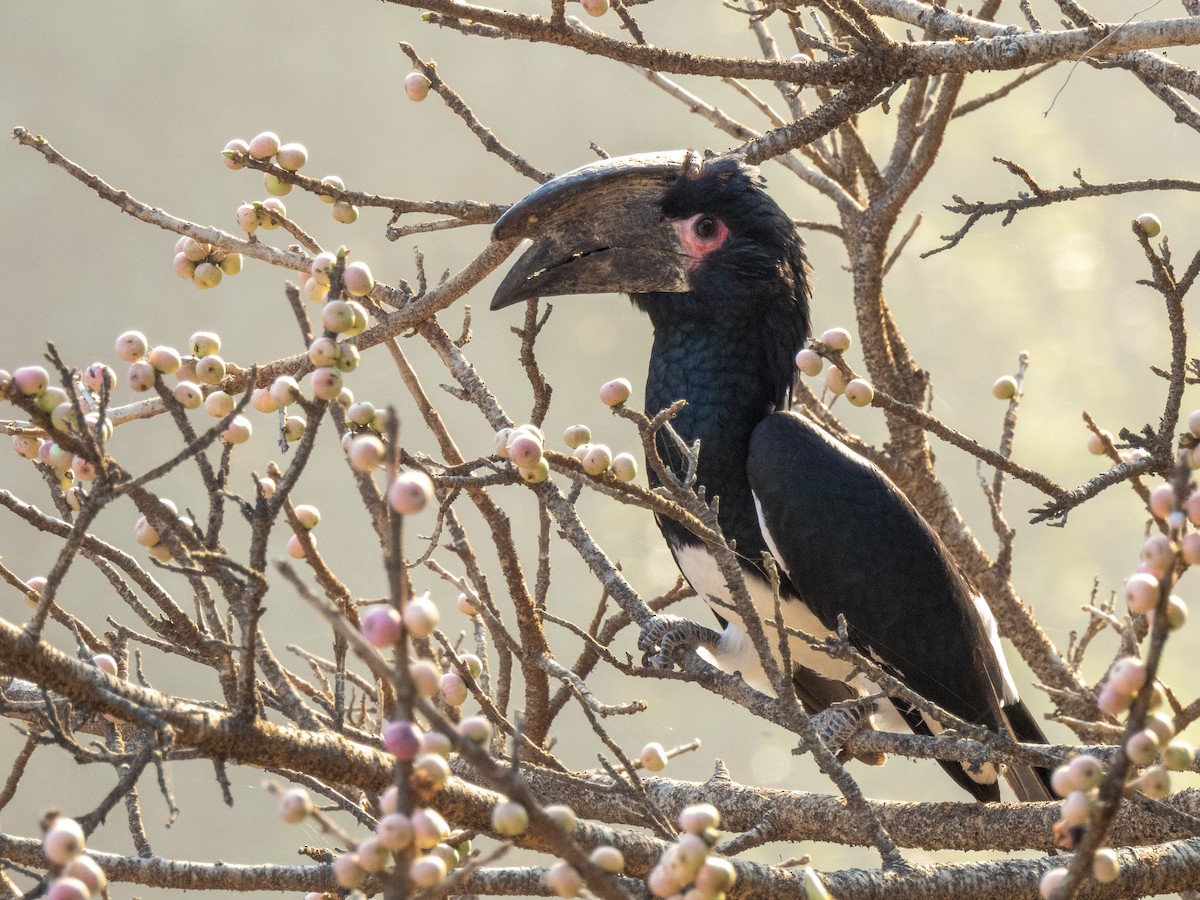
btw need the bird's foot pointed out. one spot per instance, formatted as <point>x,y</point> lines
<point>841,721</point>
<point>664,637</point>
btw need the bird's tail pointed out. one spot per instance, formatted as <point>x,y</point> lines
<point>1029,783</point>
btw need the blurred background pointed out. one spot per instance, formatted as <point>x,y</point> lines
<point>146,95</point>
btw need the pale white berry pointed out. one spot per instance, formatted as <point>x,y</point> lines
<point>416,86</point>
<point>653,757</point>
<point>510,818</point>
<point>859,392</point>
<point>836,339</point>
<point>295,806</point>
<point>809,362</point>
<point>63,840</point>
<point>410,493</point>
<point>420,616</point>
<point>1005,388</point>
<point>615,392</point>
<point>1149,224</point>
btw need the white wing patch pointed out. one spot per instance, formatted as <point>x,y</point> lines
<point>993,634</point>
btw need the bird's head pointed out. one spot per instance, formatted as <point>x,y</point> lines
<point>687,238</point>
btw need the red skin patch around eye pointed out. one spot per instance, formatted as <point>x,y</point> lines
<point>696,247</point>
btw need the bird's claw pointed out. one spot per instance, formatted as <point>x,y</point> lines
<point>841,721</point>
<point>664,637</point>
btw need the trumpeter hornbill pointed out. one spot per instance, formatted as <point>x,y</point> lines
<point>720,270</point>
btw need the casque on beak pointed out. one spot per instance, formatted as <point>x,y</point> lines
<point>597,229</point>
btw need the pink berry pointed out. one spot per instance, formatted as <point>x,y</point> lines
<point>26,445</point>
<point>295,806</point>
<point>141,375</point>
<point>394,831</point>
<point>184,267</point>
<point>32,381</point>
<point>262,400</point>
<point>624,467</point>
<point>323,351</point>
<point>1096,443</point>
<point>402,739</point>
<point>88,871</point>
<point>105,663</point>
<point>429,828</point>
<point>410,493</point>
<point>97,376</point>
<point>291,157</point>
<point>337,316</point>
<point>1113,702</point>
<point>326,383</point>
<point>835,381</point>
<point>476,729</point>
<point>425,676</point>
<point>1189,548</point>
<point>1127,675</point>
<point>346,870</point>
<point>420,616</point>
<point>380,625</point>
<point>597,460</point>
<point>366,453</point>
<point>237,145</point>
<point>285,391</point>
<point>859,392</point>
<point>610,859</point>
<point>63,841</point>
<point>466,605</point>
<point>716,876</point>
<point>334,182</point>
<point>699,818</point>
<point>1162,500</point>
<point>248,218</point>
<point>68,889</point>
<point>237,431</point>
<point>615,392</point>
<point>357,279</point>
<point>1050,882</point>
<point>361,413</point>
<point>264,145</point>
<point>210,369</point>
<point>271,205</point>
<point>295,549</point>
<point>131,346</point>
<point>836,339</point>
<point>1141,592</point>
<point>809,362</point>
<point>1155,782</point>
<point>561,878</point>
<point>1158,554</point>
<point>524,449</point>
<point>219,404</point>
<point>1142,747</point>
<point>427,871</point>
<point>453,689</point>
<point>1087,771</point>
<point>416,86</point>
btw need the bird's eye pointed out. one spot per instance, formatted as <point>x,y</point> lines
<point>706,228</point>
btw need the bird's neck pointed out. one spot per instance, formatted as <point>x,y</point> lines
<point>731,378</point>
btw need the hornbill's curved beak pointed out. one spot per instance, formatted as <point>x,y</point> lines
<point>597,229</point>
